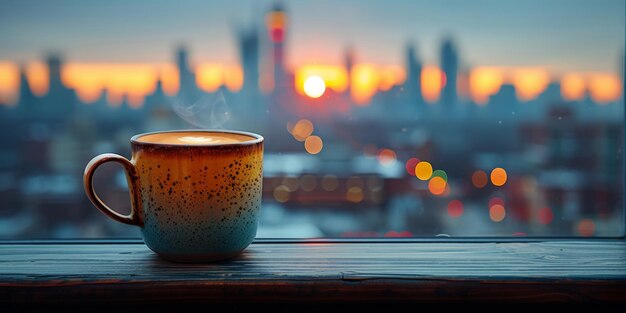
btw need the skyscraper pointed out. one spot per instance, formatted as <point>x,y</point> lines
<point>349,63</point>
<point>413,83</point>
<point>249,52</point>
<point>276,24</point>
<point>60,100</point>
<point>186,76</point>
<point>26,96</point>
<point>450,66</point>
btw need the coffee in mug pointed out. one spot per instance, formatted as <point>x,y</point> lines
<point>195,194</point>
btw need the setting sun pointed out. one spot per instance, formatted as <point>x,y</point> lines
<point>314,86</point>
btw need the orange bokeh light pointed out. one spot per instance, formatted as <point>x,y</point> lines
<point>586,227</point>
<point>313,144</point>
<point>386,156</point>
<point>479,179</point>
<point>433,80</point>
<point>303,129</point>
<point>497,213</point>
<point>437,185</point>
<point>498,176</point>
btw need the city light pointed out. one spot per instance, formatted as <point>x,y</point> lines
<point>498,176</point>
<point>313,144</point>
<point>281,194</point>
<point>410,165</point>
<point>302,130</point>
<point>479,179</point>
<point>423,170</point>
<point>586,227</point>
<point>545,216</point>
<point>437,185</point>
<point>386,156</point>
<point>314,86</point>
<point>354,194</point>
<point>455,208</point>
<point>496,200</point>
<point>330,182</point>
<point>497,213</point>
<point>355,181</point>
<point>308,182</point>
<point>442,174</point>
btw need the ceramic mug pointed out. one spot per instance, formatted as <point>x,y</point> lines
<point>195,194</point>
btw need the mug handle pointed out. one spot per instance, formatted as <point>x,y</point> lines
<point>131,178</point>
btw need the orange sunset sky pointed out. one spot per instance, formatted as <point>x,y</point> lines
<point>136,80</point>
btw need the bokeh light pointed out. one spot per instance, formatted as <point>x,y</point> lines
<point>545,216</point>
<point>354,194</point>
<point>330,182</point>
<point>455,208</point>
<point>355,181</point>
<point>479,179</point>
<point>497,213</point>
<point>496,200</point>
<point>586,227</point>
<point>313,144</point>
<point>291,183</point>
<point>302,130</point>
<point>314,86</point>
<point>498,176</point>
<point>375,183</point>
<point>386,156</point>
<point>410,165</point>
<point>308,182</point>
<point>281,194</point>
<point>423,170</point>
<point>437,185</point>
<point>441,173</point>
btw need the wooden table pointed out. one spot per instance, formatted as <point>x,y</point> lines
<point>318,272</point>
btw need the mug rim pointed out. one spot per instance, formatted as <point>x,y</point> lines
<point>256,138</point>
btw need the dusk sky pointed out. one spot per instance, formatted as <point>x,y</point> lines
<point>560,35</point>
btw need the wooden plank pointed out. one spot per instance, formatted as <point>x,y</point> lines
<point>563,270</point>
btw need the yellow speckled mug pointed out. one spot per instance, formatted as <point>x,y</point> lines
<point>195,194</point>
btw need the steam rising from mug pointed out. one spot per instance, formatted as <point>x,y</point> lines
<point>207,111</point>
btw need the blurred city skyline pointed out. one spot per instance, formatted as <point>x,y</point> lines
<point>131,67</point>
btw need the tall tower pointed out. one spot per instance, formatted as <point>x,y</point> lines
<point>26,96</point>
<point>276,21</point>
<point>249,52</point>
<point>186,77</point>
<point>349,64</point>
<point>413,84</point>
<point>450,66</point>
<point>54,74</point>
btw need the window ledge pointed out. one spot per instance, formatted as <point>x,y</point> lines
<point>432,271</point>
